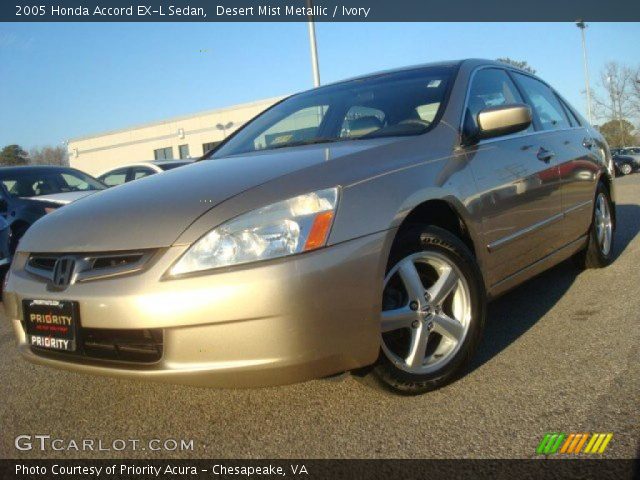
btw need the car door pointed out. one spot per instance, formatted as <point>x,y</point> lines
<point>574,150</point>
<point>518,199</point>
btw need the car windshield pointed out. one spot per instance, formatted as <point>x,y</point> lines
<point>38,182</point>
<point>392,104</point>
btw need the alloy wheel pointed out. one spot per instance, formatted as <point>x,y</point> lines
<point>604,227</point>
<point>626,169</point>
<point>426,312</point>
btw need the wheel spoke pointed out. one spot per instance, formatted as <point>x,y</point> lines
<point>443,286</point>
<point>397,318</point>
<point>418,347</point>
<point>411,280</point>
<point>447,326</point>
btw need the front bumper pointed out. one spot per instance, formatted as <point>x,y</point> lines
<point>272,323</point>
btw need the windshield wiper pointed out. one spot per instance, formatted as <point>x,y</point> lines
<point>299,143</point>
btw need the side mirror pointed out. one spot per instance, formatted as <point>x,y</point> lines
<point>501,120</point>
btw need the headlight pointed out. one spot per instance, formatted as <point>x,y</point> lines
<point>293,226</point>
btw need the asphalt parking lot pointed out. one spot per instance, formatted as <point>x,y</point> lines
<point>560,354</point>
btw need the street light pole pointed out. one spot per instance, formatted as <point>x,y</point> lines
<point>582,26</point>
<point>224,127</point>
<point>314,48</point>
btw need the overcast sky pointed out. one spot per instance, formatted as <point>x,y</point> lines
<point>63,80</point>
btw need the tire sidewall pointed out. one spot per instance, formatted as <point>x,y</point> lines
<point>435,239</point>
<point>595,256</point>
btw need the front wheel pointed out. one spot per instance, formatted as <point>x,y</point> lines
<point>626,169</point>
<point>433,311</point>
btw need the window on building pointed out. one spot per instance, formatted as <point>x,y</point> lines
<point>163,153</point>
<point>183,151</point>
<point>208,146</point>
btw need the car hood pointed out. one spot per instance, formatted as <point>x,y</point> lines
<point>61,198</point>
<point>152,212</point>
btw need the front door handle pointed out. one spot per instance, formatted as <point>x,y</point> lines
<point>545,155</point>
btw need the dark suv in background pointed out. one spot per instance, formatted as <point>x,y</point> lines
<point>30,192</point>
<point>626,160</point>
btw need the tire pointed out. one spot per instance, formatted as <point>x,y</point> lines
<point>626,169</point>
<point>598,254</point>
<point>446,326</point>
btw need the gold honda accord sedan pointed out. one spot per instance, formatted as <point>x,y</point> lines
<point>361,224</point>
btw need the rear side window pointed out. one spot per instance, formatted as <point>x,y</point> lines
<point>139,172</point>
<point>544,102</point>
<point>490,87</point>
<point>573,118</point>
<point>114,178</point>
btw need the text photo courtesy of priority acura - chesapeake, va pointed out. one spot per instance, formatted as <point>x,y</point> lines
<point>314,238</point>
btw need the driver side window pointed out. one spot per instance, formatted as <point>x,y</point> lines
<point>491,87</point>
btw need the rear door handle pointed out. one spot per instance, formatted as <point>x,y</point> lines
<point>545,155</point>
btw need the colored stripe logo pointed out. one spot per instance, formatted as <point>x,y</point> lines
<point>574,443</point>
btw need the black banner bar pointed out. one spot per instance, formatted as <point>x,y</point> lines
<point>322,11</point>
<point>319,469</point>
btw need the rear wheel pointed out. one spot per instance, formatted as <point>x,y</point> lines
<point>599,250</point>
<point>433,311</point>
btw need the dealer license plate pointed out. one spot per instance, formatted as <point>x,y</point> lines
<point>51,324</point>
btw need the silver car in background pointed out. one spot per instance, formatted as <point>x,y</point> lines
<point>364,223</point>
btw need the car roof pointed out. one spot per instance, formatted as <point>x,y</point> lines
<point>168,162</point>
<point>37,168</point>
<point>146,163</point>
<point>472,62</point>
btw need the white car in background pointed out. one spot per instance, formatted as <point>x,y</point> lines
<point>135,171</point>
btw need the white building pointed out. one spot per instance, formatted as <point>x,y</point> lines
<point>182,137</point>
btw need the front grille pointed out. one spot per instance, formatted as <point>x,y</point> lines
<point>136,346</point>
<point>43,263</point>
<point>141,346</point>
<point>90,266</point>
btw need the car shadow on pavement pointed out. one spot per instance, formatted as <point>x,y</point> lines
<point>511,315</point>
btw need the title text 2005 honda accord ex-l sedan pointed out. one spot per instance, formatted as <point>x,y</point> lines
<point>364,223</point>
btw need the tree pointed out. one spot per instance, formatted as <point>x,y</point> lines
<point>13,155</point>
<point>615,102</point>
<point>522,65</point>
<point>615,135</point>
<point>49,156</point>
